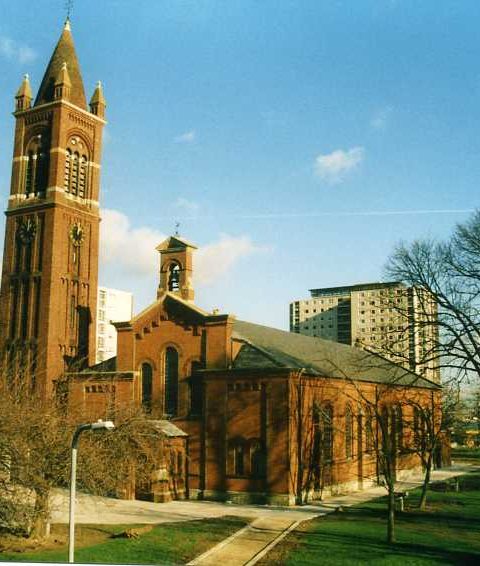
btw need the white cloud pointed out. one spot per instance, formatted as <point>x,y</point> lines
<point>14,51</point>
<point>381,118</point>
<point>217,259</point>
<point>187,137</point>
<point>133,249</point>
<point>187,205</point>
<point>333,167</point>
<point>128,247</point>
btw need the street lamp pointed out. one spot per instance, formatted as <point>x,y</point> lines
<point>99,425</point>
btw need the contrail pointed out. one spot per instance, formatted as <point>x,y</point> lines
<point>273,215</point>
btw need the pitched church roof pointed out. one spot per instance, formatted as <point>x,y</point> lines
<point>64,53</point>
<point>266,347</point>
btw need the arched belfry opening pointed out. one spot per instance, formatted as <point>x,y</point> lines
<point>176,267</point>
<point>174,270</point>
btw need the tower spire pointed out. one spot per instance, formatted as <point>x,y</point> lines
<point>24,95</point>
<point>64,52</point>
<point>97,102</point>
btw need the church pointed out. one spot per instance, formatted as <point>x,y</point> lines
<point>245,412</point>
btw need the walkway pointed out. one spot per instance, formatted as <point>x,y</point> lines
<point>247,546</point>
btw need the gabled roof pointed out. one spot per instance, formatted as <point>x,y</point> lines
<point>64,53</point>
<point>266,347</point>
<point>169,296</point>
<point>174,243</point>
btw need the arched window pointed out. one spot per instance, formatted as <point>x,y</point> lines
<point>171,382</point>
<point>257,459</point>
<point>29,174</point>
<point>239,459</point>
<point>398,423</point>
<point>82,174</point>
<point>41,175</point>
<point>74,179</point>
<point>147,374</point>
<point>174,277</point>
<point>326,427</point>
<point>196,389</point>
<point>323,433</point>
<point>419,429</point>
<point>68,166</point>
<point>369,440</point>
<point>36,173</point>
<point>348,432</point>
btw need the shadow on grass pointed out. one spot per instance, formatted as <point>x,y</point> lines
<point>360,548</point>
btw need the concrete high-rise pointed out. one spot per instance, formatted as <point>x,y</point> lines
<point>397,321</point>
<point>113,306</point>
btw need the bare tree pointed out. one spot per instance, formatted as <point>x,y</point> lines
<point>447,273</point>
<point>35,438</point>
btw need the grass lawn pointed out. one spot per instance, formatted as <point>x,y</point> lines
<point>167,543</point>
<point>448,532</point>
<point>463,453</point>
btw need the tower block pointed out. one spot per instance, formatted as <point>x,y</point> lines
<point>50,262</point>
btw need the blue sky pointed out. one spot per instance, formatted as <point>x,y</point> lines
<point>295,141</point>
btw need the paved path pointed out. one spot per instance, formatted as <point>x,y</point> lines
<point>247,546</point>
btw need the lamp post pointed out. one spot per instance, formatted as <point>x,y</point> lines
<point>99,425</point>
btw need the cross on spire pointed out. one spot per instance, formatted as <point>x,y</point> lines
<point>69,8</point>
<point>177,227</point>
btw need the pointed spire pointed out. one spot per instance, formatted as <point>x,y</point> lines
<point>97,102</point>
<point>63,84</point>
<point>64,53</point>
<point>24,95</point>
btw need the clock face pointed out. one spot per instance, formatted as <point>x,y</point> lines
<point>27,230</point>
<point>76,234</point>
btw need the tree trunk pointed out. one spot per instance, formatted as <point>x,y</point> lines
<point>41,518</point>
<point>426,481</point>
<point>391,515</point>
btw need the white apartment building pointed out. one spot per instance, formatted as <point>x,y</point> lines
<point>388,317</point>
<point>112,306</point>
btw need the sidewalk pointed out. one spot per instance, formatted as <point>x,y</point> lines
<point>249,545</point>
<point>245,547</point>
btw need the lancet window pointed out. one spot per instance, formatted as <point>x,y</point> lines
<point>76,168</point>
<point>171,382</point>
<point>37,162</point>
<point>147,374</point>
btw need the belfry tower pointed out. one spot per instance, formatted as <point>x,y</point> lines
<point>50,262</point>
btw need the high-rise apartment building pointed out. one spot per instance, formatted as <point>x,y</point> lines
<point>397,321</point>
<point>113,306</point>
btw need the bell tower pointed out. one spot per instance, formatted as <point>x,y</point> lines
<point>176,267</point>
<point>50,262</point>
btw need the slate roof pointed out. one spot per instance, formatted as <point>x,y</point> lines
<point>64,53</point>
<point>105,366</point>
<point>266,348</point>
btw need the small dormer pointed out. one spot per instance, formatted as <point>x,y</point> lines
<point>176,267</point>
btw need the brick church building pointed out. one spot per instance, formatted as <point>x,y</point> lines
<point>244,412</point>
